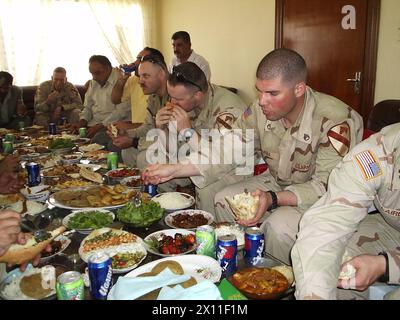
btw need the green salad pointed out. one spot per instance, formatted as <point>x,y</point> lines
<point>143,216</point>
<point>90,220</point>
<point>61,143</point>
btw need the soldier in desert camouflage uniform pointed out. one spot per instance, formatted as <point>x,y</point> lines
<point>56,98</point>
<point>198,105</point>
<point>302,135</point>
<point>338,228</point>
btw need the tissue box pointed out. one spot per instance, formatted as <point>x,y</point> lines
<point>229,292</point>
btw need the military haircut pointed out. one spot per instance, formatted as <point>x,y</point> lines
<point>285,63</point>
<point>60,70</point>
<point>6,78</point>
<point>103,60</point>
<point>156,59</point>
<point>154,52</point>
<point>181,35</point>
<point>189,75</point>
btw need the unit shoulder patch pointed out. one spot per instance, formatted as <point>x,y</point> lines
<point>368,164</point>
<point>339,137</point>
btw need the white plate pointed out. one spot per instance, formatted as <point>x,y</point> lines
<point>170,217</point>
<point>91,147</point>
<point>65,242</point>
<point>93,167</point>
<point>169,232</point>
<point>33,207</point>
<point>189,200</point>
<point>125,180</point>
<point>199,266</point>
<point>137,246</point>
<point>66,219</point>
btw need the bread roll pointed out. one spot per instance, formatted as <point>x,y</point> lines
<point>243,205</point>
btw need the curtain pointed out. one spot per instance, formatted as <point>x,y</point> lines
<point>36,36</point>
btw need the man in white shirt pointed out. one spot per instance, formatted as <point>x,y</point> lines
<point>99,111</point>
<point>183,52</point>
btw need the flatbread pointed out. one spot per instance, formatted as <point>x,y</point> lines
<point>114,130</point>
<point>91,175</point>
<point>19,254</point>
<point>243,205</point>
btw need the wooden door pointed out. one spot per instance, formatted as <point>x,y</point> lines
<point>338,39</point>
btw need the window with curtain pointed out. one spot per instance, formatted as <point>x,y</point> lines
<point>37,36</point>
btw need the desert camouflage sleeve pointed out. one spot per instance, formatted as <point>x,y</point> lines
<point>327,226</point>
<point>394,266</point>
<point>41,95</point>
<point>75,98</point>
<point>243,131</point>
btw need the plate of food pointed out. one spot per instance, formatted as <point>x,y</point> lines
<point>134,182</point>
<point>60,170</point>
<point>117,175</point>
<point>27,285</point>
<point>85,221</point>
<point>28,207</point>
<point>91,147</point>
<point>71,158</point>
<point>172,201</point>
<point>58,245</point>
<point>225,228</point>
<point>147,213</point>
<point>259,282</point>
<point>170,242</point>
<point>188,219</point>
<point>104,197</point>
<point>126,249</point>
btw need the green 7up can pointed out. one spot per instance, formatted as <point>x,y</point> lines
<point>205,239</point>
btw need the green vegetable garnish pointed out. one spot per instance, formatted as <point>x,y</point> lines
<point>143,216</point>
<point>90,220</point>
<point>61,143</point>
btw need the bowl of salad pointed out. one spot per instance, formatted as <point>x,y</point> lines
<point>142,216</point>
<point>85,221</point>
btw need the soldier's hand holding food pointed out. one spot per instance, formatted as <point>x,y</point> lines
<point>181,117</point>
<point>164,115</point>
<point>248,208</point>
<point>361,271</point>
<point>159,173</point>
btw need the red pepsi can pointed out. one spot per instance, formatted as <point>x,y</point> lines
<point>33,174</point>
<point>100,275</point>
<point>52,128</point>
<point>151,189</point>
<point>227,253</point>
<point>253,244</point>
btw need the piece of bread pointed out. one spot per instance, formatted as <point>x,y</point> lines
<point>91,175</point>
<point>18,254</point>
<point>114,130</point>
<point>287,271</point>
<point>243,205</point>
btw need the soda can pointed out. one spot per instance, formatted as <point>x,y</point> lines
<point>52,128</point>
<point>253,244</point>
<point>151,189</point>
<point>9,137</point>
<point>227,254</point>
<point>8,147</point>
<point>63,121</point>
<point>112,160</point>
<point>100,275</point>
<point>82,132</point>
<point>70,286</point>
<point>205,239</point>
<point>33,174</point>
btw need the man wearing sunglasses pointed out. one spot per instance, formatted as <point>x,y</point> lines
<point>196,108</point>
<point>153,75</point>
<point>302,134</point>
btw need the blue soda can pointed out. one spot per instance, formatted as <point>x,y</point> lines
<point>253,244</point>
<point>151,189</point>
<point>100,275</point>
<point>227,253</point>
<point>63,121</point>
<point>52,128</point>
<point>33,174</point>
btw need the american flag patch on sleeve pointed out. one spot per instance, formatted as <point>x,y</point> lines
<point>368,164</point>
<point>247,113</point>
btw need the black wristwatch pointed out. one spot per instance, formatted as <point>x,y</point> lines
<point>385,277</point>
<point>274,203</point>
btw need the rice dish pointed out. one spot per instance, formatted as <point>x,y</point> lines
<point>12,290</point>
<point>225,230</point>
<point>173,200</point>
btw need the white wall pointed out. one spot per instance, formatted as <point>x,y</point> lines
<point>233,35</point>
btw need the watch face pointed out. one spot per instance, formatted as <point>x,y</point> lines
<point>188,133</point>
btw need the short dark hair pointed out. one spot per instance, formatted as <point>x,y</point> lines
<point>181,35</point>
<point>60,70</point>
<point>103,60</point>
<point>189,75</point>
<point>285,63</point>
<point>154,52</point>
<point>7,77</point>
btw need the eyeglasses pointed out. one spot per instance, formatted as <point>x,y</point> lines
<point>154,60</point>
<point>182,78</point>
